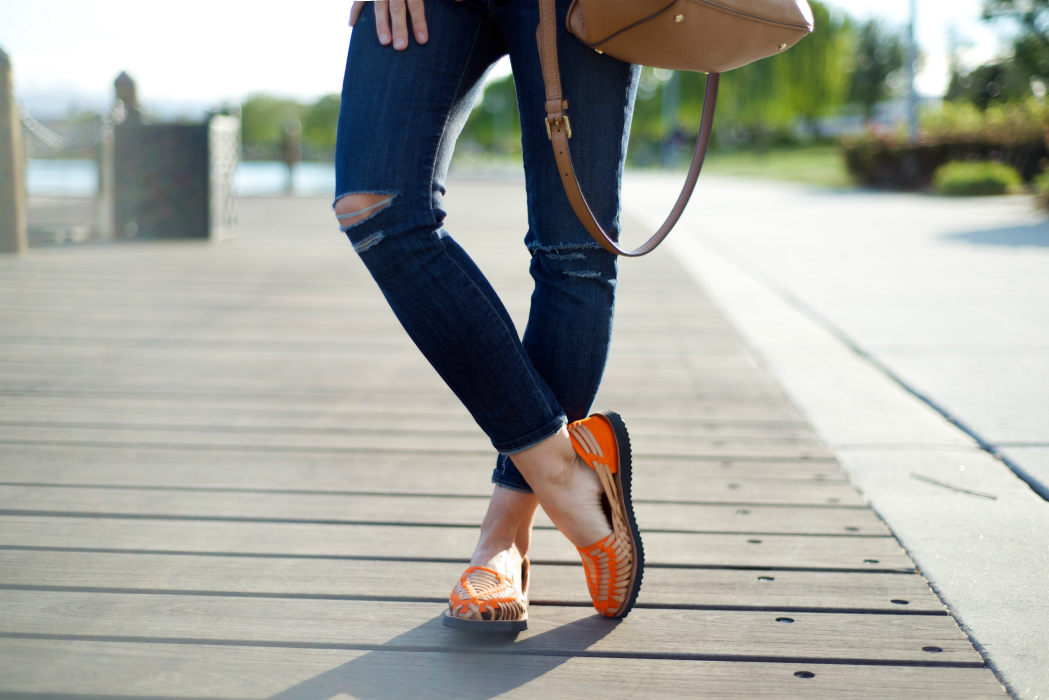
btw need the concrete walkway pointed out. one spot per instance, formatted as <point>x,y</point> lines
<point>880,313</point>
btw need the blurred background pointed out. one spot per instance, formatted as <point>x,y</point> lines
<point>882,95</point>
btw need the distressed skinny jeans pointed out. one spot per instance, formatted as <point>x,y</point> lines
<point>401,114</point>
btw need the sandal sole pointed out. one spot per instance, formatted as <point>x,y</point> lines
<point>623,483</point>
<point>484,625</point>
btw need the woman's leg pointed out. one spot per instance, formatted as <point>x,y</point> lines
<point>570,324</point>
<point>401,113</point>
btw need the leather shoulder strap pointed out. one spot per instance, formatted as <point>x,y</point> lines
<point>560,130</point>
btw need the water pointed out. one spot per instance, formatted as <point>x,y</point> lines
<point>62,178</point>
<point>254,179</point>
<point>79,178</point>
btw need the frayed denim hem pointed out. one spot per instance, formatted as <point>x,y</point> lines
<point>505,484</point>
<point>507,476</point>
<point>533,438</point>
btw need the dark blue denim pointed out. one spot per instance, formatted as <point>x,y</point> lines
<point>402,112</point>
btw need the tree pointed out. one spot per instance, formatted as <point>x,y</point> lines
<point>262,124</point>
<point>807,82</point>
<point>879,53</point>
<point>1000,81</point>
<point>320,123</point>
<point>1030,18</point>
<point>495,122</point>
<point>1012,76</point>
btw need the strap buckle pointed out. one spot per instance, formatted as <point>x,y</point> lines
<point>568,126</point>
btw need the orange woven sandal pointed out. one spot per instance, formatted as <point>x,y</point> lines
<point>485,600</point>
<point>614,566</point>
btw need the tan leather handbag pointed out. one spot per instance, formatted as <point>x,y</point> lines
<point>694,35</point>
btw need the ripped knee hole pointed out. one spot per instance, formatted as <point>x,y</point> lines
<point>353,209</point>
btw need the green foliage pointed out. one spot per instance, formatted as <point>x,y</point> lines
<point>262,120</point>
<point>262,126</point>
<point>975,178</point>
<point>1012,133</point>
<point>808,81</point>
<point>1031,16</point>
<point>320,121</point>
<point>1041,189</point>
<point>1025,65</point>
<point>758,104</point>
<point>879,52</point>
<point>1004,123</point>
<point>813,165</point>
<point>495,123</point>
<point>993,83</point>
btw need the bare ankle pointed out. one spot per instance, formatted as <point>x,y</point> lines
<point>507,526</point>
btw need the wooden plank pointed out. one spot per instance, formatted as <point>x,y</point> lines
<point>237,362</point>
<point>386,508</point>
<point>411,626</point>
<point>454,543</point>
<point>430,581</point>
<point>61,464</point>
<point>708,369</point>
<point>181,379</point>
<point>464,439</point>
<point>43,409</point>
<point>404,472</point>
<point>79,669</point>
<point>695,409</point>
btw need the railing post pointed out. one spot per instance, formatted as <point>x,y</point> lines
<point>12,166</point>
<point>291,150</point>
<point>127,127</point>
<point>105,204</point>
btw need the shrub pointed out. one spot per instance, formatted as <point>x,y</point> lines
<point>888,164</point>
<point>976,178</point>
<point>1013,133</point>
<point>1007,124</point>
<point>1041,190</point>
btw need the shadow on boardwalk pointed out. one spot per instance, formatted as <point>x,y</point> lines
<point>483,666</point>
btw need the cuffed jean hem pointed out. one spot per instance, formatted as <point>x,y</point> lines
<point>507,476</point>
<point>533,438</point>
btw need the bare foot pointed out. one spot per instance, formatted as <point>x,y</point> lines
<point>506,533</point>
<point>569,490</point>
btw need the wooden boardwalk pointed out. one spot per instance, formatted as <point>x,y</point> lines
<point>227,473</point>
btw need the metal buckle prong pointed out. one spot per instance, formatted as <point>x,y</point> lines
<point>568,126</point>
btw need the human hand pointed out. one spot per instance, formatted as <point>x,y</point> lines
<point>387,10</point>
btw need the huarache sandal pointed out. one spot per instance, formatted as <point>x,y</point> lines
<point>614,566</point>
<point>485,600</point>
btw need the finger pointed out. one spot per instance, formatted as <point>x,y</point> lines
<point>382,21</point>
<point>398,16</point>
<point>355,11</point>
<point>418,14</point>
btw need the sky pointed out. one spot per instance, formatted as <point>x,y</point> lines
<point>195,54</point>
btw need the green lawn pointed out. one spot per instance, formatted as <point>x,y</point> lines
<point>814,165</point>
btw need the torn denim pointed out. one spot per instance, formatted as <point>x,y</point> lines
<point>401,114</point>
